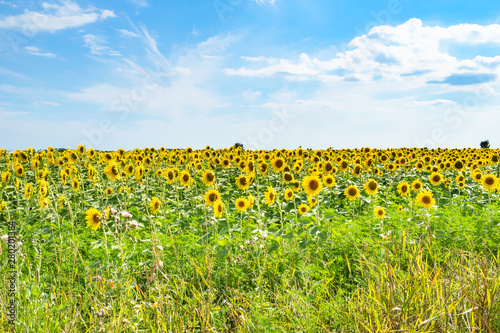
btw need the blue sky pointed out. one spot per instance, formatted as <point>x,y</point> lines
<point>269,74</point>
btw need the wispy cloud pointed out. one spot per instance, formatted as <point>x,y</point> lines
<point>10,4</point>
<point>98,45</point>
<point>54,17</point>
<point>127,33</point>
<point>36,51</point>
<point>11,73</point>
<point>140,3</point>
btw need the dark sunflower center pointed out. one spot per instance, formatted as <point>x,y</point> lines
<point>271,196</point>
<point>372,186</point>
<point>404,188</point>
<point>243,181</point>
<point>288,177</point>
<point>426,199</point>
<point>210,176</point>
<point>328,167</point>
<point>279,163</point>
<point>185,177</point>
<point>329,180</point>
<point>436,178</point>
<point>313,184</point>
<point>241,204</point>
<point>114,170</point>
<point>352,191</point>
<point>489,180</point>
<point>219,208</point>
<point>96,218</point>
<point>212,197</point>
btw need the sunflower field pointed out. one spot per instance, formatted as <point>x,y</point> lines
<point>234,240</point>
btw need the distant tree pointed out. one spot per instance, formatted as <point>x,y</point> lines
<point>485,144</point>
<point>238,144</point>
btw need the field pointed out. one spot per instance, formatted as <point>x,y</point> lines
<point>234,240</point>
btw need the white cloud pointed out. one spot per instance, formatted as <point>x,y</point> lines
<point>49,103</point>
<point>36,51</point>
<point>433,103</point>
<point>97,45</point>
<point>140,3</point>
<point>10,4</point>
<point>54,17</point>
<point>394,53</point>
<point>263,2</point>
<point>127,33</point>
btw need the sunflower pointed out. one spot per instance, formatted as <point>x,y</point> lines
<point>27,191</point>
<point>416,185</point>
<point>352,192</point>
<point>18,169</point>
<point>185,178</point>
<point>154,204</point>
<point>477,175</point>
<point>461,184</point>
<point>139,172</point>
<point>425,199</point>
<point>5,176</point>
<point>93,218</point>
<point>278,164</point>
<point>287,177</point>
<point>243,182</point>
<point>460,178</point>
<point>170,175</point>
<point>312,185</point>
<point>43,188</point>
<point>226,163</point>
<point>2,205</point>
<point>241,204</point>
<point>356,170</point>
<point>403,188</point>
<point>108,191</point>
<point>61,201</point>
<point>251,201</point>
<point>435,178</point>
<point>288,194</point>
<point>379,212</point>
<point>44,203</point>
<point>312,201</point>
<point>270,196</point>
<point>489,182</point>
<point>111,170</point>
<point>208,177</point>
<point>129,169</point>
<point>328,180</point>
<point>303,208</point>
<point>262,168</point>
<point>400,208</point>
<point>211,196</point>
<point>159,172</point>
<point>75,184</point>
<point>218,208</point>
<point>371,187</point>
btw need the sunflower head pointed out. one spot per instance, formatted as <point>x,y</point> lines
<point>425,199</point>
<point>270,196</point>
<point>211,196</point>
<point>371,187</point>
<point>241,204</point>
<point>403,188</point>
<point>351,192</point>
<point>288,194</point>
<point>379,212</point>
<point>93,217</point>
<point>303,208</point>
<point>312,185</point>
<point>154,205</point>
<point>218,208</point>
